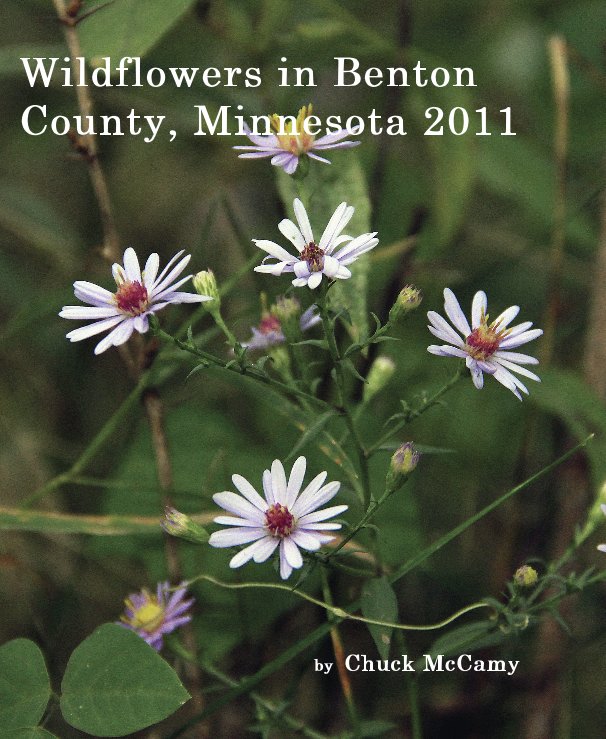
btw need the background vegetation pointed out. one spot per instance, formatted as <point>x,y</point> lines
<point>466,212</point>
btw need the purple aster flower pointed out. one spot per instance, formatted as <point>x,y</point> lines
<point>485,346</point>
<point>151,616</point>
<point>269,332</point>
<point>316,259</point>
<point>138,295</point>
<point>286,519</point>
<point>291,141</point>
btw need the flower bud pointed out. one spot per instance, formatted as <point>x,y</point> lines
<point>378,376</point>
<point>408,300</point>
<point>287,311</point>
<point>281,360</point>
<point>182,526</point>
<point>206,284</point>
<point>403,462</point>
<point>525,576</point>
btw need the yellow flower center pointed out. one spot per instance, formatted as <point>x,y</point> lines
<point>148,617</point>
<point>291,134</point>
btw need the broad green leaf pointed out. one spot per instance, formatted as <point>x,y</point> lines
<point>24,685</point>
<point>31,732</point>
<point>115,684</point>
<point>324,188</point>
<point>128,27</point>
<point>379,602</point>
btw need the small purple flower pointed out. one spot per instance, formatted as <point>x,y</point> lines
<point>291,141</point>
<point>269,332</point>
<point>151,616</point>
<point>138,295</point>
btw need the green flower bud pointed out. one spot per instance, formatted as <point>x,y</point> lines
<point>281,360</point>
<point>525,576</point>
<point>408,300</point>
<point>379,375</point>
<point>403,463</point>
<point>182,526</point>
<point>206,284</point>
<point>287,311</point>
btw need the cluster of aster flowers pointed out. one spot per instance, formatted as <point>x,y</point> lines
<point>288,518</point>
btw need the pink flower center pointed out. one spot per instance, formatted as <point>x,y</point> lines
<point>279,520</point>
<point>269,324</point>
<point>484,340</point>
<point>131,298</point>
<point>314,256</point>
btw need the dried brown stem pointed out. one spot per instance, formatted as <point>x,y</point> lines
<point>68,16</point>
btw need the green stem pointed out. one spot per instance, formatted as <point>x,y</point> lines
<point>413,414</point>
<point>246,370</point>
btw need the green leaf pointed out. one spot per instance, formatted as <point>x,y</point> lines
<point>24,685</point>
<point>379,602</point>
<point>115,684</point>
<point>375,727</point>
<point>31,732</point>
<point>128,27</point>
<point>10,56</point>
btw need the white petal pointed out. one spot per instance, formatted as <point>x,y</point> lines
<point>295,481</point>
<point>331,267</point>
<point>267,487</point>
<point>356,247</point>
<point>118,336</point>
<point>303,221</point>
<point>511,342</point>
<point>264,548</point>
<point>519,329</point>
<point>86,312</point>
<point>291,164</point>
<point>314,280</point>
<point>278,481</point>
<point>285,568</point>
<point>164,272</point>
<point>151,270</point>
<point>131,265</point>
<point>507,317</point>
<point>319,498</point>
<point>478,308</point>
<point>301,269</point>
<point>305,540</point>
<point>292,553</point>
<point>306,498</point>
<point>90,293</point>
<point>339,219</point>
<point>311,155</point>
<point>300,282</point>
<point>447,351</point>
<point>141,324</point>
<point>516,357</point>
<point>510,381</point>
<point>238,505</point>
<point>322,526</point>
<point>441,325</point>
<point>235,537</point>
<point>476,375</point>
<point>275,250</point>
<point>292,233</point>
<point>321,515</point>
<point>249,492</point>
<point>454,312</point>
<point>516,368</point>
<point>94,328</point>
<point>163,284</point>
<point>234,521</point>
